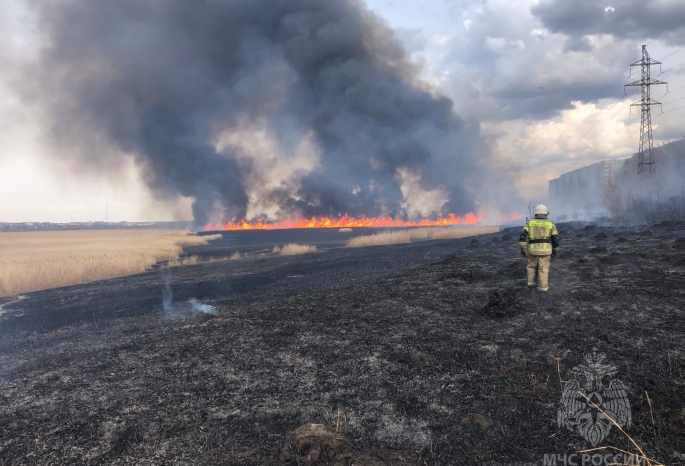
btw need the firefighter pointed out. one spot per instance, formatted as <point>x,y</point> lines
<point>539,241</point>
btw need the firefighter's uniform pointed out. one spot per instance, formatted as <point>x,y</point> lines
<point>539,241</point>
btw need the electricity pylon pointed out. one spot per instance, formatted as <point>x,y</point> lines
<point>645,158</point>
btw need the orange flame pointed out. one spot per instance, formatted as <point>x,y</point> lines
<point>346,222</point>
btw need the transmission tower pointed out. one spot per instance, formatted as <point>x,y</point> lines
<point>645,158</point>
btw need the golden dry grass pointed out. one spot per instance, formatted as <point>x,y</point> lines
<point>50,259</point>
<point>406,236</point>
<point>294,249</point>
<point>454,233</point>
<point>187,260</point>
<point>379,239</point>
<point>190,260</point>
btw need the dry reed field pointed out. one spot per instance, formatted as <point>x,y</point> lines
<point>293,249</point>
<point>49,259</point>
<point>187,260</point>
<point>407,236</point>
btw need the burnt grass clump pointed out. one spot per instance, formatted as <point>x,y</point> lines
<point>313,444</point>
<point>503,302</point>
<point>430,353</point>
<point>474,244</point>
<point>565,255</point>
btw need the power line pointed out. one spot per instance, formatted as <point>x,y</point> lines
<point>613,115</point>
<point>674,90</point>
<point>671,91</point>
<point>667,69</point>
<point>627,137</point>
<point>606,135</point>
<point>580,138</point>
<point>672,53</point>
<point>610,132</point>
<point>676,100</point>
<point>617,112</point>
<point>673,74</point>
<point>672,110</point>
<point>585,120</point>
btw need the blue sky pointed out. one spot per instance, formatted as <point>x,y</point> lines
<point>432,17</point>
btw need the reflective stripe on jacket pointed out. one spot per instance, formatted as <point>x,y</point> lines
<point>539,236</point>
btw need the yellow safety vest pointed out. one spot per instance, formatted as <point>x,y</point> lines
<point>540,232</point>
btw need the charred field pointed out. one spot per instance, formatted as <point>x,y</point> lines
<point>425,353</point>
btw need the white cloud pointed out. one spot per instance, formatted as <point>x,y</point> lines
<point>539,33</point>
<point>440,40</point>
<point>496,44</point>
<point>537,152</point>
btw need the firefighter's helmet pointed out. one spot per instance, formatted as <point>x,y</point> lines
<point>541,209</point>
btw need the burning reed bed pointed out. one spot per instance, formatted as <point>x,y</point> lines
<point>407,236</point>
<point>293,249</point>
<point>49,259</point>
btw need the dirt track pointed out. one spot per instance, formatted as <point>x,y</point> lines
<point>406,348</point>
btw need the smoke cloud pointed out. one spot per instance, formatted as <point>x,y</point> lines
<point>166,81</point>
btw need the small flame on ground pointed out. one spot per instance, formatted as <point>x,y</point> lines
<point>347,222</point>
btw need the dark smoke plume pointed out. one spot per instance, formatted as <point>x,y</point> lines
<point>157,79</point>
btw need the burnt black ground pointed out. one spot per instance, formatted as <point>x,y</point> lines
<point>396,344</point>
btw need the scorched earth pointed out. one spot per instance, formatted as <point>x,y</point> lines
<point>426,353</point>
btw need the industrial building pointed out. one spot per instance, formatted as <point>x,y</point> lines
<point>577,192</point>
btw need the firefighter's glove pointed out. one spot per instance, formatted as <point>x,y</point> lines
<point>523,253</point>
<point>554,254</point>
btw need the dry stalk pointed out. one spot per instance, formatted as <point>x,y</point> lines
<point>293,249</point>
<point>649,461</point>
<point>630,453</point>
<point>561,383</point>
<point>670,368</point>
<point>651,414</point>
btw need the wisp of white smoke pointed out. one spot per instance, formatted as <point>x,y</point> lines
<point>182,310</point>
